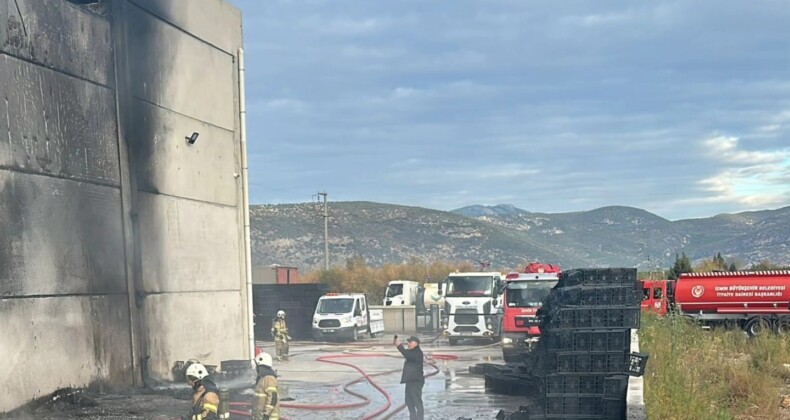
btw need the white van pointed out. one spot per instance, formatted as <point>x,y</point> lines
<point>345,316</point>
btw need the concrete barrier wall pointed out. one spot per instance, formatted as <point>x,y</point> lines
<point>398,318</point>
<point>119,243</point>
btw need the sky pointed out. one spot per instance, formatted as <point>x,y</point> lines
<point>681,108</point>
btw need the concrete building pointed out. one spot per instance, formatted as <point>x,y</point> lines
<point>122,246</point>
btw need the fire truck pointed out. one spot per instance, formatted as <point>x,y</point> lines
<point>524,292</point>
<point>755,301</point>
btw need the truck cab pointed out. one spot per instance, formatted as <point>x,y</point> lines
<point>402,292</point>
<point>523,296</point>
<point>656,295</point>
<point>472,306</point>
<point>345,316</point>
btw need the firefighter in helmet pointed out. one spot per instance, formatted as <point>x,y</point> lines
<point>280,334</point>
<point>206,398</point>
<point>266,405</point>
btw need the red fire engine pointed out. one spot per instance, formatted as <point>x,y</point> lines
<point>523,296</point>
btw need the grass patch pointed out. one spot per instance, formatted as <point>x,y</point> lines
<point>698,374</point>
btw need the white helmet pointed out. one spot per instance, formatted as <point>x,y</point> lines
<point>197,371</point>
<point>280,314</point>
<point>263,359</point>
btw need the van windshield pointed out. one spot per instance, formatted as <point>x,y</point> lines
<point>335,306</point>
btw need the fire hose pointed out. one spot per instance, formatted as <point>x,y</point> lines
<point>346,387</point>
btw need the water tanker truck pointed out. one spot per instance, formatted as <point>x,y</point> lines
<point>755,301</point>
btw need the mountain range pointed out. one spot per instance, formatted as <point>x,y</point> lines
<point>508,237</point>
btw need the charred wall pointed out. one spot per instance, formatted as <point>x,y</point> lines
<point>120,243</point>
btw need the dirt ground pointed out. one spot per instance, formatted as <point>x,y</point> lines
<point>451,393</point>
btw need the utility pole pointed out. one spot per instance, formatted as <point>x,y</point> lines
<point>326,231</point>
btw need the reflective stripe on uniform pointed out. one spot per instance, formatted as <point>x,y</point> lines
<point>271,388</point>
<point>210,407</point>
<point>258,394</point>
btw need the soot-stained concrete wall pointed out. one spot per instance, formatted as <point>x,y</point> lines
<point>120,244</point>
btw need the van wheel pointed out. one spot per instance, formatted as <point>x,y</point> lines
<point>757,326</point>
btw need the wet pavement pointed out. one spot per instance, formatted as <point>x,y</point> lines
<point>451,393</point>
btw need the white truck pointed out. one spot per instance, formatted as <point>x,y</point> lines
<point>345,316</point>
<point>402,292</point>
<point>472,306</point>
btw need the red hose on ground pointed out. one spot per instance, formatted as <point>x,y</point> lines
<point>365,376</point>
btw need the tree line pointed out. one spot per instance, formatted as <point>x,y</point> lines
<point>358,277</point>
<point>717,263</point>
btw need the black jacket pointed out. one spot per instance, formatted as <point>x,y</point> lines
<point>412,366</point>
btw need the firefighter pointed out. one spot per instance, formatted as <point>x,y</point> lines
<point>206,398</point>
<point>267,398</point>
<point>280,334</point>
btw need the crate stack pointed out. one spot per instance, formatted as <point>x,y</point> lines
<point>583,359</point>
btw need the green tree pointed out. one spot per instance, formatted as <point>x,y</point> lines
<point>718,260</point>
<point>682,265</point>
<point>732,267</point>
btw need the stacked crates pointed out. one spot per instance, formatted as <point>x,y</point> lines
<point>582,361</point>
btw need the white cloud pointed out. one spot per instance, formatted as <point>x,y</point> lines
<point>751,179</point>
<point>726,149</point>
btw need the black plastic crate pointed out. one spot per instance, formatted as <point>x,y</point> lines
<point>574,406</point>
<point>598,276</point>
<point>594,318</point>
<point>574,384</point>
<point>637,362</point>
<point>588,363</point>
<point>615,386</point>
<point>617,340</point>
<point>616,363</point>
<point>614,408</point>
<point>560,340</point>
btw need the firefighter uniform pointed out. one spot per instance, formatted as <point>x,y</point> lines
<point>267,399</point>
<point>281,337</point>
<point>205,400</point>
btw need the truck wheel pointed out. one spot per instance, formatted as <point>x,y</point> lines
<point>453,341</point>
<point>757,326</point>
<point>783,326</point>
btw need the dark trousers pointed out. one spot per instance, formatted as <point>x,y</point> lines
<point>414,400</point>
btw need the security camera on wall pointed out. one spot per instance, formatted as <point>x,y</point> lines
<point>193,138</point>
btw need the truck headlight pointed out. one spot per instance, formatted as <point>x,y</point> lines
<point>506,340</point>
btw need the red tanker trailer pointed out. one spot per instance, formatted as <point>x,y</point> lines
<point>755,301</point>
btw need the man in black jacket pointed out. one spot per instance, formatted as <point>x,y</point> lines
<point>412,376</point>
